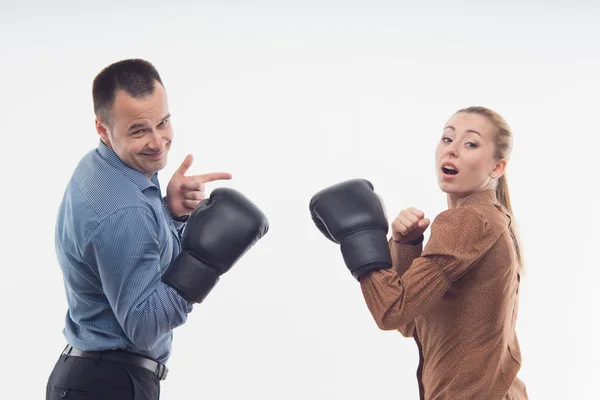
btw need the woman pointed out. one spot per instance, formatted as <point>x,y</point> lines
<point>458,296</point>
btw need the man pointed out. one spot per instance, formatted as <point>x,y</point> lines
<point>135,262</point>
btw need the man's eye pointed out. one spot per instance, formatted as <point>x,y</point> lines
<point>164,123</point>
<point>139,131</point>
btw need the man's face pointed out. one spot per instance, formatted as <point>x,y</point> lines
<point>140,132</point>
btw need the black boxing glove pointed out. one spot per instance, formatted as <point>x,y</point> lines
<point>219,231</point>
<point>352,215</point>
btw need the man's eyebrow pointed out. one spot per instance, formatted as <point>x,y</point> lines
<point>137,125</point>
<point>142,124</point>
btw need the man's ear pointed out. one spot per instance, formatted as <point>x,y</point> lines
<point>102,131</point>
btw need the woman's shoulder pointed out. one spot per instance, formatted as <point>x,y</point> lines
<point>460,217</point>
<point>469,225</point>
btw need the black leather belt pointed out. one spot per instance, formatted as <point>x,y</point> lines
<point>158,369</point>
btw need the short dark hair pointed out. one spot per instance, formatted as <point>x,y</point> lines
<point>135,76</point>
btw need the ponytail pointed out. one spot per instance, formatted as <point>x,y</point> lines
<point>503,143</point>
<point>503,197</point>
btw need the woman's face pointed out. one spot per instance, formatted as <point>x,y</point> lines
<point>465,155</point>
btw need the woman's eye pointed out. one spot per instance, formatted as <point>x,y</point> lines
<point>446,139</point>
<point>471,144</point>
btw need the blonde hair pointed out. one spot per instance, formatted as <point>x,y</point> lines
<point>504,145</point>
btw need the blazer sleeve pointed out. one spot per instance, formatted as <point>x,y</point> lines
<point>459,238</point>
<point>402,257</point>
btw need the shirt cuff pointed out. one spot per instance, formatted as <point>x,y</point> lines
<point>180,222</point>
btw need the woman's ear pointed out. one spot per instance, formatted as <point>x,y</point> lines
<point>499,169</point>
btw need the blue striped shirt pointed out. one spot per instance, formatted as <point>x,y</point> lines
<point>114,240</point>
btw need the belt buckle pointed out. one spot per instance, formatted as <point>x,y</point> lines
<point>161,372</point>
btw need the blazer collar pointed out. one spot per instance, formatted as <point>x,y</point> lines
<point>486,196</point>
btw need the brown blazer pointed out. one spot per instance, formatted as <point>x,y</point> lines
<point>458,298</point>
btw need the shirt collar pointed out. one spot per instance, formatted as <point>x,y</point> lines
<point>134,175</point>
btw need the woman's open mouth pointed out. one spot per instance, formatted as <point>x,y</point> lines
<point>449,169</point>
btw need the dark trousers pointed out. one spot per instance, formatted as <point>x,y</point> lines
<point>95,379</point>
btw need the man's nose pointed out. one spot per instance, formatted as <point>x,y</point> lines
<point>156,141</point>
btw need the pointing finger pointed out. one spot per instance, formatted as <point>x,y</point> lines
<point>212,176</point>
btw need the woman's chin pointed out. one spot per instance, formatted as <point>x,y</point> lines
<point>448,187</point>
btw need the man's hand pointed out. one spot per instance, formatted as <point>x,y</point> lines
<point>409,225</point>
<point>184,193</point>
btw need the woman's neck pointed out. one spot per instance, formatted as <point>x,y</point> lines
<point>457,199</point>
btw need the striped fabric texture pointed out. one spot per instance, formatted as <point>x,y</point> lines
<point>114,240</point>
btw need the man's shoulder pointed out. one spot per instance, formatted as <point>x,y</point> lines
<point>105,189</point>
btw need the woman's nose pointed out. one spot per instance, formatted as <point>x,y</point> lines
<point>452,150</point>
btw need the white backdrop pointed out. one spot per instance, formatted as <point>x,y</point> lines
<point>291,97</point>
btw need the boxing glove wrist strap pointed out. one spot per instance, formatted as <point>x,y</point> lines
<point>192,279</point>
<point>365,251</point>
